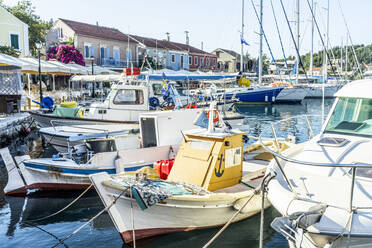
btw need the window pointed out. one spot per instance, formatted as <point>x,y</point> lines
<point>173,58</point>
<point>181,60</point>
<point>190,60</point>
<point>351,116</point>
<point>107,52</point>
<point>129,97</point>
<point>201,61</point>
<point>86,51</point>
<point>214,62</point>
<point>233,157</point>
<point>207,61</point>
<point>196,60</point>
<point>60,33</point>
<point>14,41</point>
<point>116,53</point>
<point>157,89</point>
<point>92,51</point>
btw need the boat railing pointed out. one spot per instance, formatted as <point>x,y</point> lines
<point>278,156</point>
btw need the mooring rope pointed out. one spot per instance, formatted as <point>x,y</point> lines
<point>49,233</point>
<point>89,221</point>
<point>61,210</point>
<point>256,191</point>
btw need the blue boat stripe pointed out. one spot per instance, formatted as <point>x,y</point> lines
<point>79,171</point>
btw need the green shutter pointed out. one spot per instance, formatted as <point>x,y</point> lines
<point>14,41</point>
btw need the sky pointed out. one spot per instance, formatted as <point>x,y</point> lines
<point>217,23</point>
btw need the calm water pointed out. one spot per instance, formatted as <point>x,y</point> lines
<point>16,213</point>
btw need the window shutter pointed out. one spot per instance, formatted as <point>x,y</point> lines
<point>86,52</point>
<point>107,52</point>
<point>102,52</point>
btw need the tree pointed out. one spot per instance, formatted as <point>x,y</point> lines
<point>66,54</point>
<point>37,28</point>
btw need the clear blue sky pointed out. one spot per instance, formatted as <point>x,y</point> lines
<point>215,22</point>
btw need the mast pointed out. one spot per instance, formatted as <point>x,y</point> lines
<point>341,50</point>
<point>298,37</point>
<point>260,56</point>
<point>325,79</point>
<point>242,35</point>
<point>312,41</point>
<point>346,55</point>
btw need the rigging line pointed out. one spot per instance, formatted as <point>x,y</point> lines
<point>267,43</point>
<point>294,42</point>
<point>321,39</point>
<point>351,41</point>
<point>280,37</point>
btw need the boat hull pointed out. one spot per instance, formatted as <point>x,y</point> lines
<point>171,215</point>
<point>255,96</point>
<point>291,95</point>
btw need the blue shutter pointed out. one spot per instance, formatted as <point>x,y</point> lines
<point>108,52</point>
<point>102,52</point>
<point>92,51</point>
<point>86,52</point>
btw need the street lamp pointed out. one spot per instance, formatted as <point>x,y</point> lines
<point>39,46</point>
<point>92,59</point>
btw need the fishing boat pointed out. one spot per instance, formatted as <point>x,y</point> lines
<point>322,186</point>
<point>123,105</point>
<point>207,184</point>
<point>160,136</point>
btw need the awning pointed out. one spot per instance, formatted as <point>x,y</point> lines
<point>31,65</point>
<point>6,60</point>
<point>183,75</point>
<point>99,70</point>
<point>97,78</point>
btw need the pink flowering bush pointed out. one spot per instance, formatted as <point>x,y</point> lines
<point>66,54</point>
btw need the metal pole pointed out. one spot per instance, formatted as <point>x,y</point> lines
<point>41,89</point>
<point>260,56</point>
<point>312,41</point>
<point>298,38</point>
<point>352,188</point>
<point>93,91</point>
<point>242,35</point>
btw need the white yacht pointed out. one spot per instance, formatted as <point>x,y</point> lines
<point>323,187</point>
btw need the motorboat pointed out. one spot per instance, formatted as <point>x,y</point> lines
<point>322,187</point>
<point>209,181</point>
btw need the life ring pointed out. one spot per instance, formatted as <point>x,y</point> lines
<point>191,106</point>
<point>154,102</point>
<point>215,116</point>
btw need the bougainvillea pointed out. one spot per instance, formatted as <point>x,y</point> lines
<point>66,54</point>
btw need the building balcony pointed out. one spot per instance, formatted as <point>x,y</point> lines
<point>113,62</point>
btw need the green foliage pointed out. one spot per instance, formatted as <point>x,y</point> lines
<point>9,51</point>
<point>37,28</point>
<point>364,54</point>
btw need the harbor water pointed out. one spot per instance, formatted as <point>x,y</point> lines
<point>17,228</point>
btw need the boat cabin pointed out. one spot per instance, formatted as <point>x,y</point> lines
<point>209,160</point>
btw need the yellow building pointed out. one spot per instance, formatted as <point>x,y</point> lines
<point>13,32</point>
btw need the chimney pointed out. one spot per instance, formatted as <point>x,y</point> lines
<point>202,45</point>
<point>187,37</point>
<point>97,23</point>
<point>168,37</point>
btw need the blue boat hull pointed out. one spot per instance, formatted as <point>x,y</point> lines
<point>256,96</point>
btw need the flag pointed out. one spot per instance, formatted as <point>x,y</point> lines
<point>294,71</point>
<point>165,85</point>
<point>243,41</point>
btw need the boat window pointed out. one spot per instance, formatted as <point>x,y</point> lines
<point>129,96</point>
<point>157,89</point>
<point>351,116</point>
<point>233,157</point>
<point>200,144</point>
<point>362,172</point>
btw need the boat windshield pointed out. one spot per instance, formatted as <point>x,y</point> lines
<point>351,116</point>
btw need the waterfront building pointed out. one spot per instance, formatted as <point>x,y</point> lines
<point>107,46</point>
<point>228,60</point>
<point>13,32</point>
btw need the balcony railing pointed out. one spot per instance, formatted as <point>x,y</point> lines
<point>113,62</point>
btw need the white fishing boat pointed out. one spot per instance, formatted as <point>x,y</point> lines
<point>123,105</point>
<point>323,187</point>
<point>208,183</point>
<point>161,132</point>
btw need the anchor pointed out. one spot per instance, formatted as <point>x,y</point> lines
<point>219,173</point>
